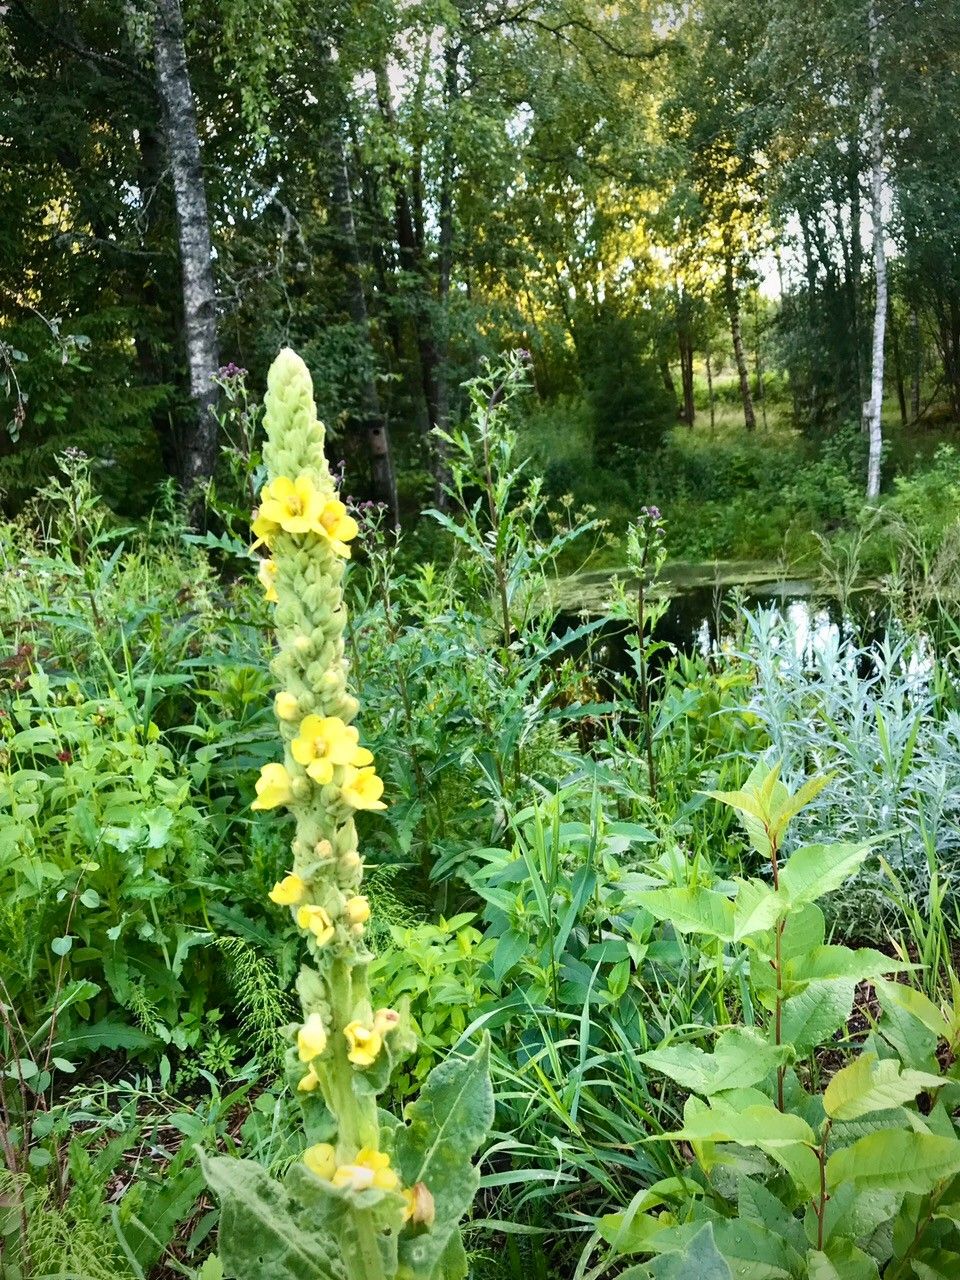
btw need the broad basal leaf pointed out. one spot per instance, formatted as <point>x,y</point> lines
<point>700,1258</point>
<point>262,1237</point>
<point>445,1127</point>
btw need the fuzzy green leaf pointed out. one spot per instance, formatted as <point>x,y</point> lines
<point>446,1126</point>
<point>263,1233</point>
<point>700,1258</point>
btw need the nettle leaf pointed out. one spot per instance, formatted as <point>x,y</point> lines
<point>872,1084</point>
<point>691,910</point>
<point>446,1126</point>
<point>815,870</point>
<point>262,1235</point>
<point>810,1018</point>
<point>741,1058</point>
<point>896,1159</point>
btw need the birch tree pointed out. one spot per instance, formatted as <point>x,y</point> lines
<point>874,405</point>
<point>199,450</point>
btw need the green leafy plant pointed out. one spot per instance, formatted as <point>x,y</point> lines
<point>371,1197</point>
<point>804,1166</point>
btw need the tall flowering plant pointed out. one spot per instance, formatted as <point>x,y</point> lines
<point>372,1198</point>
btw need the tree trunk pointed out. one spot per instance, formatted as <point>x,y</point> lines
<point>685,345</point>
<point>898,372</point>
<point>736,333</point>
<point>199,453</point>
<point>373,422</point>
<point>713,405</point>
<point>874,405</point>
<point>758,363</point>
<point>444,272</point>
<point>667,378</point>
<point>915,390</point>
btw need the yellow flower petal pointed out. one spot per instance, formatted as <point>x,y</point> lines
<point>311,1038</point>
<point>364,1044</point>
<point>316,921</point>
<point>267,573</point>
<point>274,787</point>
<point>362,789</point>
<point>321,1159</point>
<point>288,891</point>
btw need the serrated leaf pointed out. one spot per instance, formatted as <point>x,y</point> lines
<point>756,909</point>
<point>445,1127</point>
<point>700,1258</point>
<point>895,1159</point>
<point>810,1018</point>
<point>844,1261</point>
<point>262,1237</point>
<point>871,1084</point>
<point>818,869</point>
<point>741,1058</point>
<point>916,1004</point>
<point>691,910</point>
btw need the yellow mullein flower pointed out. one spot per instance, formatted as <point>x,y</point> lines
<point>309,1082</point>
<point>362,789</point>
<point>274,787</point>
<point>420,1207</point>
<point>356,910</point>
<point>292,505</point>
<point>369,1169</point>
<point>316,920</point>
<point>267,573</point>
<point>321,1159</point>
<point>365,1044</point>
<point>338,527</point>
<point>286,706</point>
<point>311,1038</point>
<point>288,891</point>
<point>325,741</point>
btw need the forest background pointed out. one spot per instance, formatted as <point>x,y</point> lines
<point>678,210</point>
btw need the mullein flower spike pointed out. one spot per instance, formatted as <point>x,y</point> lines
<point>324,778</point>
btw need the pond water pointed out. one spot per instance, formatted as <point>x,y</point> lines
<point>705,609</point>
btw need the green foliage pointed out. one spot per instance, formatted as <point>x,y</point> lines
<point>836,1165</point>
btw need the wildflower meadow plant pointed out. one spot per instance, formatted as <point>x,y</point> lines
<point>372,1198</point>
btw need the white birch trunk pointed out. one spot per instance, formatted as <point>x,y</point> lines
<point>196,250</point>
<point>874,405</point>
